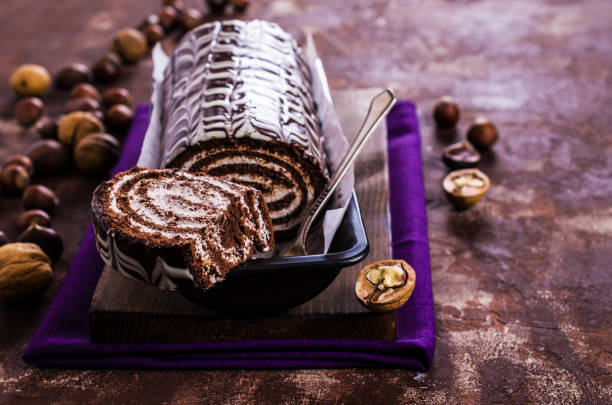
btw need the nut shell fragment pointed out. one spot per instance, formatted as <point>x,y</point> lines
<point>464,188</point>
<point>460,155</point>
<point>385,285</point>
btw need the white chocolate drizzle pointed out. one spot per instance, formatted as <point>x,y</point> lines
<point>236,80</point>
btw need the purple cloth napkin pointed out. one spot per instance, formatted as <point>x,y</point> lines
<point>63,337</point>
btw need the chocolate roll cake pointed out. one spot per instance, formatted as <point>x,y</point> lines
<point>158,226</point>
<point>237,104</point>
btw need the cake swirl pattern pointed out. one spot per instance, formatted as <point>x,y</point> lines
<point>158,226</point>
<point>237,105</point>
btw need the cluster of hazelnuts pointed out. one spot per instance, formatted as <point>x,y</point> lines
<point>112,109</point>
<point>78,137</point>
<point>82,135</point>
<point>174,15</point>
<point>39,203</point>
<point>87,114</point>
<point>465,185</point>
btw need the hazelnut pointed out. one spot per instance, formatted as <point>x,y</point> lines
<point>130,44</point>
<point>46,238</point>
<point>116,95</point>
<point>40,197</point>
<point>3,239</point>
<point>385,285</point>
<point>71,75</point>
<point>167,17</point>
<point>446,113</point>
<point>30,80</point>
<point>216,6</point>
<point>24,271</point>
<point>47,128</point>
<point>465,187</point>
<point>14,179</point>
<point>107,67</point>
<point>82,104</point>
<point>190,18</point>
<point>460,155</point>
<point>29,110</point>
<point>49,157</point>
<point>154,33</point>
<point>31,217</point>
<point>85,90</point>
<point>483,133</point>
<point>119,117</point>
<point>240,5</point>
<point>97,153</point>
<point>20,160</point>
<point>75,126</point>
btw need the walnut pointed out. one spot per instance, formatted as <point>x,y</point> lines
<point>465,187</point>
<point>385,285</point>
<point>24,271</point>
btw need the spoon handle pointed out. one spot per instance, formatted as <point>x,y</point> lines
<point>379,107</point>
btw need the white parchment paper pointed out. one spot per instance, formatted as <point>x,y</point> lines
<point>336,144</point>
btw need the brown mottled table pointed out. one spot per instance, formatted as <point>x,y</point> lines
<point>522,282</point>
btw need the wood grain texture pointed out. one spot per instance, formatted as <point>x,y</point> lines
<point>127,311</point>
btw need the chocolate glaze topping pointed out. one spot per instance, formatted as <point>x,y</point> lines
<point>237,104</point>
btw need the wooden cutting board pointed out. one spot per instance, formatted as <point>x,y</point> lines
<point>124,310</point>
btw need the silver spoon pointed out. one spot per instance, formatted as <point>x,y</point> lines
<point>379,107</point>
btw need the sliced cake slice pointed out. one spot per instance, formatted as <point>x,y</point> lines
<point>158,226</point>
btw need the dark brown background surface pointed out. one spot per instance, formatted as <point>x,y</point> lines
<point>521,282</point>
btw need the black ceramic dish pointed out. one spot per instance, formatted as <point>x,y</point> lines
<point>270,285</point>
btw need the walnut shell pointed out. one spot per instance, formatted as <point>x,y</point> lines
<point>465,187</point>
<point>460,155</point>
<point>379,293</point>
<point>24,271</point>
